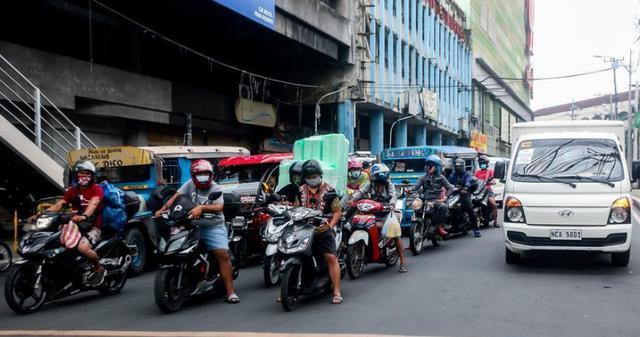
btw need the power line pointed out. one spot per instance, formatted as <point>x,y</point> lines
<point>202,55</point>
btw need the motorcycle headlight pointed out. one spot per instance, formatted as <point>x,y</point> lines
<point>238,222</point>
<point>273,231</point>
<point>514,211</point>
<point>363,207</point>
<point>620,212</point>
<point>417,204</point>
<point>298,215</point>
<point>176,244</point>
<point>43,223</point>
<point>291,244</point>
<point>162,245</point>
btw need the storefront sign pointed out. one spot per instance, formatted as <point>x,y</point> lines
<point>479,141</point>
<point>275,145</point>
<point>255,113</point>
<point>112,156</point>
<point>260,11</point>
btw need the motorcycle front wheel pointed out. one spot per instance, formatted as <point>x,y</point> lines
<point>270,271</point>
<point>5,257</point>
<point>416,237</point>
<point>355,259</point>
<point>392,258</point>
<point>169,296</point>
<point>289,288</point>
<point>20,290</point>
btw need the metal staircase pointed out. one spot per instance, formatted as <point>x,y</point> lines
<point>33,127</point>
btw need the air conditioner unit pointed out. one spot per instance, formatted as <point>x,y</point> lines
<point>412,103</point>
<point>429,104</point>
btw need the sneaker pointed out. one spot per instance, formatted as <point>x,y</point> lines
<point>476,233</point>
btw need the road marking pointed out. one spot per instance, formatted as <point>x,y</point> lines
<point>112,333</point>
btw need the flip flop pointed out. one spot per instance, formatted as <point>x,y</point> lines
<point>403,269</point>
<point>337,299</point>
<point>233,299</point>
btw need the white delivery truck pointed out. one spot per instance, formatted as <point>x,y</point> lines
<point>568,188</point>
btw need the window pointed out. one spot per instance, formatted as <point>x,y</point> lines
<point>402,11</point>
<point>394,7</point>
<point>386,4</point>
<point>171,171</point>
<point>424,22</point>
<point>410,16</point>
<point>402,59</point>
<point>388,49</point>
<point>395,53</point>
<point>377,44</point>
<point>411,61</point>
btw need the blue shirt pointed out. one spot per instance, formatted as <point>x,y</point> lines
<point>461,179</point>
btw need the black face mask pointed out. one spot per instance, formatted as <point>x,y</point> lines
<point>459,169</point>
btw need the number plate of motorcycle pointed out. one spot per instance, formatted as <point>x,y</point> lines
<point>566,234</point>
<point>246,199</point>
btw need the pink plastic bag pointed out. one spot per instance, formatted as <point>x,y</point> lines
<point>70,236</point>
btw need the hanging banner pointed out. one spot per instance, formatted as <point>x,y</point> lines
<point>260,11</point>
<point>255,113</point>
<point>479,141</point>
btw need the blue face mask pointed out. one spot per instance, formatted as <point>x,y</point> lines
<point>483,166</point>
<point>355,174</point>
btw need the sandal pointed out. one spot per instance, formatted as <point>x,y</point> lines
<point>233,299</point>
<point>403,269</point>
<point>337,299</point>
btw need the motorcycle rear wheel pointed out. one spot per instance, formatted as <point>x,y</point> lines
<point>355,259</point>
<point>289,289</point>
<point>416,237</point>
<point>5,257</point>
<point>169,298</point>
<point>392,258</point>
<point>19,287</point>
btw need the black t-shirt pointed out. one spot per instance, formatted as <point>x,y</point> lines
<point>290,192</point>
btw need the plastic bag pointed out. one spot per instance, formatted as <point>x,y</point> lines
<point>114,218</point>
<point>391,227</point>
<point>70,236</point>
<point>113,196</point>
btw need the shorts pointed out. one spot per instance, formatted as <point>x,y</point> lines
<point>91,237</point>
<point>490,194</point>
<point>324,243</point>
<point>215,237</point>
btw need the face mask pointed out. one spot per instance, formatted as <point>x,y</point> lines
<point>84,181</point>
<point>459,169</point>
<point>355,174</point>
<point>314,182</point>
<point>204,178</point>
<point>483,166</point>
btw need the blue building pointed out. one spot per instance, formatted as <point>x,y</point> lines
<point>415,49</point>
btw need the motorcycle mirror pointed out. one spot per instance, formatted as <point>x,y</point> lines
<point>499,170</point>
<point>215,195</point>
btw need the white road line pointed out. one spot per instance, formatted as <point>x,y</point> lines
<point>124,333</point>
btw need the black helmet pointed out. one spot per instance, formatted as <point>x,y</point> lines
<point>483,159</point>
<point>295,169</point>
<point>84,165</point>
<point>311,167</point>
<point>458,165</point>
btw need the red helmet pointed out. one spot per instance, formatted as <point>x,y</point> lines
<point>198,167</point>
<point>354,164</point>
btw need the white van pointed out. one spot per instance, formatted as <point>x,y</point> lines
<point>568,188</point>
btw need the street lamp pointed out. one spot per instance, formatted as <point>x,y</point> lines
<point>394,124</point>
<point>317,116</point>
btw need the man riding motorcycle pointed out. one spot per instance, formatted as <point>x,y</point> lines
<point>357,177</point>
<point>85,197</point>
<point>433,186</point>
<point>313,194</point>
<point>460,177</point>
<point>290,193</point>
<point>209,218</point>
<point>381,187</point>
<point>486,174</point>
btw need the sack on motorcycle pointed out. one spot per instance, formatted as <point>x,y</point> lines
<point>70,236</point>
<point>391,227</point>
<point>114,218</point>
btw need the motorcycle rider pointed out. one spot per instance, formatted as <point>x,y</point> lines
<point>381,186</point>
<point>433,186</point>
<point>486,174</point>
<point>209,218</point>
<point>357,177</point>
<point>460,177</point>
<point>314,194</point>
<point>85,197</point>
<point>290,193</point>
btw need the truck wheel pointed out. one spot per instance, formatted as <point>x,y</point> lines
<point>621,259</point>
<point>511,257</point>
<point>134,237</point>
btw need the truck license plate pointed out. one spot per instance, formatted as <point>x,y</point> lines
<point>566,234</point>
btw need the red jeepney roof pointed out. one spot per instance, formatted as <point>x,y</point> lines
<point>272,158</point>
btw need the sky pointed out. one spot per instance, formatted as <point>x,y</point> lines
<point>567,33</point>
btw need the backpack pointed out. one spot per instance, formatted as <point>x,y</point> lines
<point>113,213</point>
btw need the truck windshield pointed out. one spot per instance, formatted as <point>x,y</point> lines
<point>568,161</point>
<point>406,165</point>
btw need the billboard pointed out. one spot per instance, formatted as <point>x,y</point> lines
<point>260,11</point>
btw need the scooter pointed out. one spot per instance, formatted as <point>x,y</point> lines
<point>49,271</point>
<point>303,273</point>
<point>271,233</point>
<point>366,243</point>
<point>480,200</point>
<point>422,226</point>
<point>457,222</point>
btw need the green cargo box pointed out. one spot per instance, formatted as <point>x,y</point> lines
<point>331,150</point>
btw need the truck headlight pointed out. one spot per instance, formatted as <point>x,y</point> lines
<point>514,212</point>
<point>620,212</point>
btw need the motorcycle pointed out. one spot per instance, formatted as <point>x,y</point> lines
<point>457,222</point>
<point>422,226</point>
<point>5,257</point>
<point>186,270</point>
<point>480,200</point>
<point>50,272</point>
<point>270,234</point>
<point>303,273</point>
<point>366,243</point>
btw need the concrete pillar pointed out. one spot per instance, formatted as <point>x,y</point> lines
<point>346,121</point>
<point>376,132</point>
<point>420,136</point>
<point>436,138</point>
<point>400,134</point>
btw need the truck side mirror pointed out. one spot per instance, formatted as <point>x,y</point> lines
<point>635,171</point>
<point>499,170</point>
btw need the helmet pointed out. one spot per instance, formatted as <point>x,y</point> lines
<point>435,161</point>
<point>380,172</point>
<point>84,165</point>
<point>483,161</point>
<point>459,165</point>
<point>311,167</point>
<point>354,164</point>
<point>295,170</point>
<point>197,168</point>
